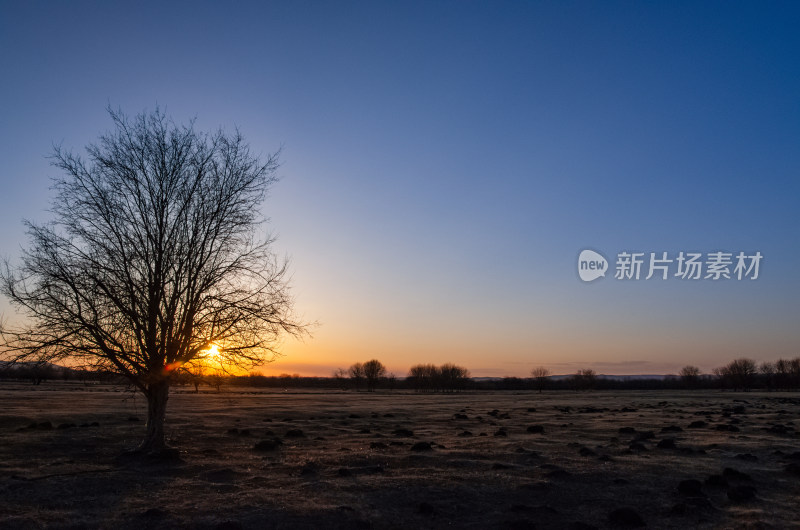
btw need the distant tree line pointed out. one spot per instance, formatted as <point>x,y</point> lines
<point>34,372</point>
<point>738,375</point>
<point>745,374</point>
<point>37,373</point>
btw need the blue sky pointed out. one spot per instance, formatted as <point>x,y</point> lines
<point>445,162</point>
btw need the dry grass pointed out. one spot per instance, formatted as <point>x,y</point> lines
<point>351,465</point>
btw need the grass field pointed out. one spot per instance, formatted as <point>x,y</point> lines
<point>252,459</point>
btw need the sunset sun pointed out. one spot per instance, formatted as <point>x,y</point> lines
<point>213,352</point>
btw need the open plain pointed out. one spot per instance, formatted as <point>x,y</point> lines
<point>251,458</point>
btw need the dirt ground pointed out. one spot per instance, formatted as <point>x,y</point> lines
<point>253,459</point>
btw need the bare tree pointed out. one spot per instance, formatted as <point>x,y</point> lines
<point>787,373</point>
<point>448,377</point>
<point>452,377</point>
<point>424,376</point>
<point>783,370</point>
<point>584,379</point>
<point>341,375</point>
<point>540,376</point>
<point>767,371</point>
<point>357,375</point>
<point>739,374</point>
<point>794,372</point>
<point>374,371</point>
<point>690,375</point>
<point>152,258</point>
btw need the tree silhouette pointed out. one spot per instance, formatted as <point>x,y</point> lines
<point>767,371</point>
<point>374,371</point>
<point>452,377</point>
<point>739,373</point>
<point>151,258</point>
<point>540,376</point>
<point>690,375</point>
<point>584,379</point>
<point>356,372</point>
<point>425,377</point>
<point>431,378</point>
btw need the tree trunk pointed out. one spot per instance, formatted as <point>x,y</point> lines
<point>157,395</point>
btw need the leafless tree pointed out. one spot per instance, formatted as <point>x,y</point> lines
<point>152,256</point>
<point>374,371</point>
<point>739,374</point>
<point>783,370</point>
<point>540,376</point>
<point>341,375</point>
<point>794,371</point>
<point>767,371</point>
<point>584,379</point>
<point>690,375</point>
<point>452,377</point>
<point>448,377</point>
<point>787,373</point>
<point>357,374</point>
<point>424,376</point>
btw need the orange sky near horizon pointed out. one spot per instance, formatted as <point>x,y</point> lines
<point>623,356</point>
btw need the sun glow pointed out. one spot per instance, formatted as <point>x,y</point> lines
<point>213,352</point>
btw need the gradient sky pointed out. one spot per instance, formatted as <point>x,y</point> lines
<point>445,162</point>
